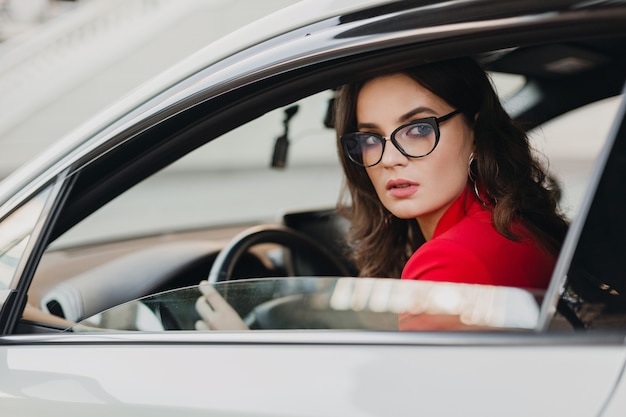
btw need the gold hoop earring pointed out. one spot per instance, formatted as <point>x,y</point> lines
<point>472,178</point>
<point>482,201</point>
<point>470,174</point>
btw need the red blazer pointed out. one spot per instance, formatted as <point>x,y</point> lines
<point>467,248</point>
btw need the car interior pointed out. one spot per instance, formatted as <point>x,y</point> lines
<point>190,197</point>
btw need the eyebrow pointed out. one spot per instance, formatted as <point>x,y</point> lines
<point>411,114</point>
<point>402,119</point>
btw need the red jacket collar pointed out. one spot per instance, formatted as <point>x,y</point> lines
<point>465,204</point>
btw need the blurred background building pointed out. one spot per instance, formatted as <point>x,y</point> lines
<point>62,61</point>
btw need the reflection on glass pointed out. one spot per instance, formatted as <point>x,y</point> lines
<point>328,303</point>
<point>15,231</point>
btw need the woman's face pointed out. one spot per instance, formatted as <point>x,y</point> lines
<point>421,188</point>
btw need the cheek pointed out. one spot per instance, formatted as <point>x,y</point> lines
<point>375,176</point>
<point>450,169</point>
<point>454,157</point>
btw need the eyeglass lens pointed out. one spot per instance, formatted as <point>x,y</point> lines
<point>414,139</point>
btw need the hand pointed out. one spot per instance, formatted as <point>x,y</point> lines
<point>215,312</point>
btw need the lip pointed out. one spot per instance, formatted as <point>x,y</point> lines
<point>401,188</point>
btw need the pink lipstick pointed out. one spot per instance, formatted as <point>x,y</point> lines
<point>401,188</point>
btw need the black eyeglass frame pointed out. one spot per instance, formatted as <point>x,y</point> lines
<point>434,122</point>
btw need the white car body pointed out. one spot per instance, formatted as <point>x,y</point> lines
<point>549,370</point>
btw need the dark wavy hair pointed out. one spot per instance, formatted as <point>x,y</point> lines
<point>505,169</point>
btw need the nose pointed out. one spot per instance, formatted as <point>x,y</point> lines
<point>392,156</point>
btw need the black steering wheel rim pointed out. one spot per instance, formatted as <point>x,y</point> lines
<point>228,257</point>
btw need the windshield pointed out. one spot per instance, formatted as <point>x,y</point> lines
<point>324,303</point>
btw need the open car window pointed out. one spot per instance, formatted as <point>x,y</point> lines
<point>167,231</point>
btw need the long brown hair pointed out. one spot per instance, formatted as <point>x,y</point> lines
<point>505,168</point>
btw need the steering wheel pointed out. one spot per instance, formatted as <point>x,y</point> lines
<point>326,263</point>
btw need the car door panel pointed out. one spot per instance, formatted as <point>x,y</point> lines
<point>262,376</point>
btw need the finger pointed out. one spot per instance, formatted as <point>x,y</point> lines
<point>204,309</point>
<point>215,300</point>
<point>216,312</point>
<point>202,326</point>
<point>206,288</point>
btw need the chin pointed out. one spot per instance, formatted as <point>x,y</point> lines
<point>405,214</point>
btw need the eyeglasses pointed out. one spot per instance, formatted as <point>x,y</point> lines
<point>415,139</point>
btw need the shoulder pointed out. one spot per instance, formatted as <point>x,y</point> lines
<point>474,252</point>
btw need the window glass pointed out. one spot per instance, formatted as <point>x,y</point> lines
<point>570,145</point>
<point>15,232</point>
<point>325,303</point>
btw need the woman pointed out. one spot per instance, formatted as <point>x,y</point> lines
<point>441,180</point>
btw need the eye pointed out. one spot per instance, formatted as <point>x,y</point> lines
<point>418,130</point>
<point>369,140</point>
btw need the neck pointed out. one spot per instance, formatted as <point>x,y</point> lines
<point>428,224</point>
